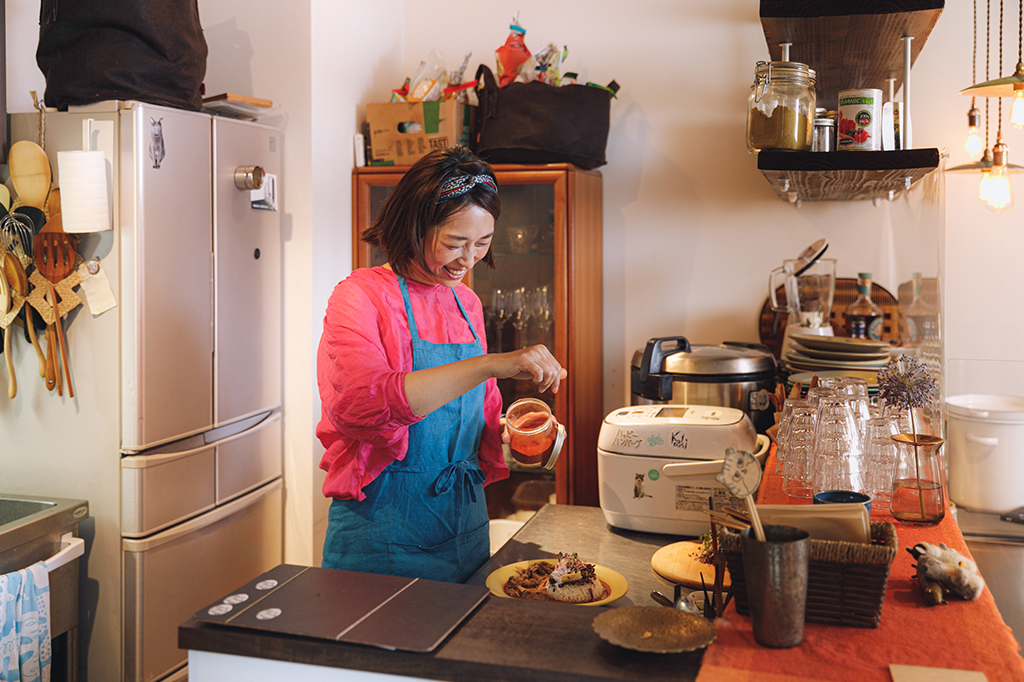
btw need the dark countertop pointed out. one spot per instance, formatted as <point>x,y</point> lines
<point>504,639</point>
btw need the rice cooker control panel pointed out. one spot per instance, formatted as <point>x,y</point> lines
<point>679,431</point>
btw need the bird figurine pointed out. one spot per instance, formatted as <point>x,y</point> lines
<point>941,570</point>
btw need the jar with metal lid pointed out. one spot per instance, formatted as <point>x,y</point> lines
<point>781,107</point>
<point>824,139</point>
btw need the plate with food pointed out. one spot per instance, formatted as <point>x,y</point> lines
<point>566,578</point>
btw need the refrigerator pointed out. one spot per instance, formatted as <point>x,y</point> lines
<point>175,431</point>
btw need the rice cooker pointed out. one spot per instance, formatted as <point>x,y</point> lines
<point>985,450</point>
<point>656,464</point>
<point>731,374</point>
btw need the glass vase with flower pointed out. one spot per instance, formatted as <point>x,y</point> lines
<point>918,494</point>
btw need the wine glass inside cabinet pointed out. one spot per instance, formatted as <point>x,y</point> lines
<point>545,289</point>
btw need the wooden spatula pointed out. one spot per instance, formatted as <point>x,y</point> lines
<point>54,252</point>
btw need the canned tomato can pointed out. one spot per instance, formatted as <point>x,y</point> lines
<point>860,120</point>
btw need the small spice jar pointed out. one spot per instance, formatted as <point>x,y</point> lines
<point>781,107</point>
<point>824,139</point>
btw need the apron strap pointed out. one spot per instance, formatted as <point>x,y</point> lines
<point>413,329</point>
<point>461,476</point>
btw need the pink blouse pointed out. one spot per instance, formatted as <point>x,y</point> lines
<point>364,355</point>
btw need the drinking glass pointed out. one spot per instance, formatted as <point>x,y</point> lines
<point>499,313</point>
<point>880,455</point>
<point>814,395</point>
<point>785,419</point>
<point>542,314</point>
<point>796,469</point>
<point>838,455</point>
<point>519,311</point>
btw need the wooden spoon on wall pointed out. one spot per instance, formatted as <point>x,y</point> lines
<point>30,172</point>
<point>18,280</point>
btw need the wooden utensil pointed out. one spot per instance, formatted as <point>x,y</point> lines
<point>5,306</point>
<point>18,280</point>
<point>30,172</point>
<point>54,253</point>
<point>678,563</point>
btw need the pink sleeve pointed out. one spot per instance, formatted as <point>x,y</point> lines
<point>361,370</point>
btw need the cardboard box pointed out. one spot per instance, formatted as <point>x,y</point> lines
<point>401,133</point>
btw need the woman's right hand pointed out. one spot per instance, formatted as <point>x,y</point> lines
<point>535,363</point>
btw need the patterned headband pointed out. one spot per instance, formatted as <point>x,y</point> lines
<point>460,184</point>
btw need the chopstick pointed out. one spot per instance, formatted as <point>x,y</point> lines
<point>726,520</point>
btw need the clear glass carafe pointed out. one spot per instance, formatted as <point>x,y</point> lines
<point>780,108</point>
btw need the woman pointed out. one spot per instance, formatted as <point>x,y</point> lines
<point>410,405</point>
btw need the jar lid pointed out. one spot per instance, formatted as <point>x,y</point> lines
<point>824,122</point>
<point>784,70</point>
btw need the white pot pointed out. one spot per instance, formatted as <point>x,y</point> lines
<point>985,446</point>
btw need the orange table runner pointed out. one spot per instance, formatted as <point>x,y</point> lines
<point>962,635</point>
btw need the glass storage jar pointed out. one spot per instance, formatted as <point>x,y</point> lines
<point>780,108</point>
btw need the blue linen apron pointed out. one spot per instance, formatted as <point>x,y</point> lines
<point>425,516</point>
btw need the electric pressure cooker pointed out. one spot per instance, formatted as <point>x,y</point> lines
<point>731,374</point>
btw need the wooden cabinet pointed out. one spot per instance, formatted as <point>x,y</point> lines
<point>547,246</point>
<point>848,48</point>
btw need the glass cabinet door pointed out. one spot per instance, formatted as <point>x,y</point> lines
<point>519,294</point>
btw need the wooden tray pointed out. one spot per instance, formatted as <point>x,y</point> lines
<point>677,563</point>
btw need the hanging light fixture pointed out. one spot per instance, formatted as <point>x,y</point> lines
<point>1013,85</point>
<point>973,143</point>
<point>995,190</point>
<point>984,164</point>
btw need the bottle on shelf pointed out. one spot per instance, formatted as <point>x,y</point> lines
<point>864,317</point>
<point>922,318</point>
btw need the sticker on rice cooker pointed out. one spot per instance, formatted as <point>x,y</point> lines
<point>695,497</point>
<point>638,487</point>
<point>627,438</point>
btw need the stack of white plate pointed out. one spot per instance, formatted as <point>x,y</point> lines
<point>811,353</point>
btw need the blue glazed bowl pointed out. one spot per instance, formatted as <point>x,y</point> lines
<point>839,496</point>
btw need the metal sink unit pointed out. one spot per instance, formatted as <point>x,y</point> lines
<point>34,529</point>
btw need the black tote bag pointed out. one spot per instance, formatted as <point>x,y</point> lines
<point>540,123</point>
<point>148,50</point>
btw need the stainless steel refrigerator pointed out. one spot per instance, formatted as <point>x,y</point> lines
<point>174,434</point>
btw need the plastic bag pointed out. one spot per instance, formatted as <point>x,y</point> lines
<point>512,55</point>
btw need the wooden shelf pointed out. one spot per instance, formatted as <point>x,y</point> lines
<point>849,46</point>
<point>844,175</point>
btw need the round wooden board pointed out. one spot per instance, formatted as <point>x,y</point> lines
<point>676,562</point>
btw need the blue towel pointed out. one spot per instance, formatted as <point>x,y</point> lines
<point>25,647</point>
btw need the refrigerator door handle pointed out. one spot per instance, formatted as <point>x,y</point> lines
<point>249,431</point>
<point>145,461</point>
<point>202,521</point>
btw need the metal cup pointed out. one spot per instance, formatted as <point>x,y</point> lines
<point>776,577</point>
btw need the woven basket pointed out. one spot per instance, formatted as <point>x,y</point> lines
<point>846,580</point>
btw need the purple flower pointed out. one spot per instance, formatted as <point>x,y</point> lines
<point>905,382</point>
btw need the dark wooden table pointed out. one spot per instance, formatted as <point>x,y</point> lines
<point>504,639</point>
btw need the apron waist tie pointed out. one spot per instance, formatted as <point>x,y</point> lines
<point>462,473</point>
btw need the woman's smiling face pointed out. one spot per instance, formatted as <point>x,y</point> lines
<point>454,247</point>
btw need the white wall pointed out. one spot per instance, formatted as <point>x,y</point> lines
<point>691,228</point>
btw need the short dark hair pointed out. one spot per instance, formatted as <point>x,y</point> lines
<point>412,209</point>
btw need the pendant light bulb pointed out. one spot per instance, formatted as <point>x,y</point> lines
<point>996,191</point>
<point>983,185</point>
<point>973,144</point>
<point>1017,106</point>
